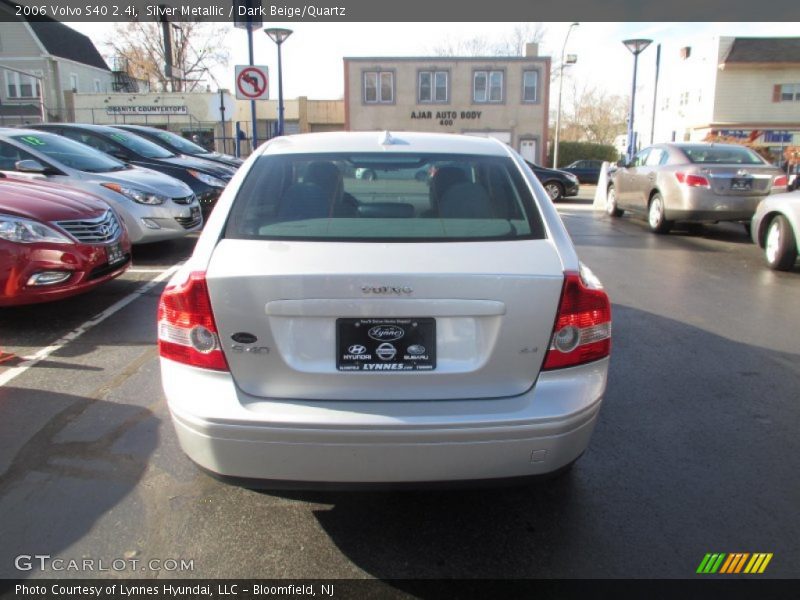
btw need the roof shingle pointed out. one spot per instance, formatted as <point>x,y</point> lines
<point>764,50</point>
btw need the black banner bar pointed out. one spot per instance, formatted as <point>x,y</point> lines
<point>701,588</point>
<point>331,11</point>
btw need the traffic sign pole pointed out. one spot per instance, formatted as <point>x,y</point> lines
<point>252,102</point>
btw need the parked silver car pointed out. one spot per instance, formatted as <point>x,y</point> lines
<point>776,229</point>
<point>434,331</point>
<point>694,182</point>
<point>152,205</point>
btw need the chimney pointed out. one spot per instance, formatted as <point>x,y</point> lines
<point>531,49</point>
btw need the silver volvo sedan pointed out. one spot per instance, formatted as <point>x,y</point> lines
<point>330,329</point>
<point>692,182</point>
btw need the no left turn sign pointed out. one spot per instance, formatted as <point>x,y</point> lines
<point>252,82</point>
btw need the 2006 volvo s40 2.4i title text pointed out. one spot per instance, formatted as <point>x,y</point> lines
<point>334,329</point>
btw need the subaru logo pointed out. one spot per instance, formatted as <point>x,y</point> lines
<point>386,351</point>
<point>356,349</point>
<point>386,333</point>
<point>416,350</point>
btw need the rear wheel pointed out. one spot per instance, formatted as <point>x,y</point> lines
<point>656,216</point>
<point>780,247</point>
<point>555,190</point>
<point>611,203</point>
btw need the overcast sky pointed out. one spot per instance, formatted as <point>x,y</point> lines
<point>312,56</point>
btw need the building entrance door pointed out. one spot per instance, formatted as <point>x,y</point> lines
<point>528,150</point>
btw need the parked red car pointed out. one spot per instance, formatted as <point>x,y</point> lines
<point>56,242</point>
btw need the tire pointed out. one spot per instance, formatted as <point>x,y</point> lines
<point>611,203</point>
<point>555,190</point>
<point>656,217</point>
<point>780,247</point>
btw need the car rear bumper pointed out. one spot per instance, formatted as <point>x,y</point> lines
<point>235,435</point>
<point>704,205</point>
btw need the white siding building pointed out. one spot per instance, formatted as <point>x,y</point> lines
<point>58,59</point>
<point>747,88</point>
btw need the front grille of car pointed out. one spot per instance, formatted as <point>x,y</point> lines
<point>101,230</point>
<point>105,269</point>
<point>184,200</point>
<point>189,222</point>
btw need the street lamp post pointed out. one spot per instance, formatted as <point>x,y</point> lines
<point>279,36</point>
<point>560,88</point>
<point>636,47</point>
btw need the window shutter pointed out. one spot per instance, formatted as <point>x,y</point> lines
<point>776,93</point>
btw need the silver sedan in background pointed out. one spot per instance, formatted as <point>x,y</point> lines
<point>152,205</point>
<point>693,182</point>
<point>776,229</point>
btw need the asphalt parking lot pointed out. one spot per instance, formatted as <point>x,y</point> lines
<point>696,449</point>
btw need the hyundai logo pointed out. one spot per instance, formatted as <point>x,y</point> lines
<point>386,333</point>
<point>356,349</point>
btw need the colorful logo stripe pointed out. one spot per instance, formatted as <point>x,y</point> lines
<point>734,563</point>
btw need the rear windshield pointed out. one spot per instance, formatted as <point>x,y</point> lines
<point>375,197</point>
<point>736,155</point>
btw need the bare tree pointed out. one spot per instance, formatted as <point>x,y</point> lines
<point>594,115</point>
<point>197,48</point>
<point>511,44</point>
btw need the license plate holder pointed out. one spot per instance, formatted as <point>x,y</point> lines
<point>386,344</point>
<point>114,254</point>
<point>740,184</point>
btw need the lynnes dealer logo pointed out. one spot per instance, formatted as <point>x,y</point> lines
<point>732,564</point>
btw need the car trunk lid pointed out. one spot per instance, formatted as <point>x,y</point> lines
<point>279,307</point>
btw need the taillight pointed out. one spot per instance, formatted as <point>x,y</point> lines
<point>692,180</point>
<point>582,332</point>
<point>186,329</point>
<point>780,181</point>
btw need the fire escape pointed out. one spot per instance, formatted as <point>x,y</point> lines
<point>123,81</point>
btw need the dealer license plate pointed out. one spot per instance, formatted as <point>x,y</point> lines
<point>386,344</point>
<point>741,185</point>
<point>115,254</point>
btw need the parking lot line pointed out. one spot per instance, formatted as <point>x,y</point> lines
<point>14,372</point>
<point>136,270</point>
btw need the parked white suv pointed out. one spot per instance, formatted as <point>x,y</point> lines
<point>330,329</point>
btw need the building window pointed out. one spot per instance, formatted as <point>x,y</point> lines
<point>73,82</point>
<point>97,88</point>
<point>378,87</point>
<point>23,86</point>
<point>487,86</point>
<point>530,86</point>
<point>790,92</point>
<point>432,86</point>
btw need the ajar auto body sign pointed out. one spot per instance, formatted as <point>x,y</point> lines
<point>148,109</point>
<point>446,117</point>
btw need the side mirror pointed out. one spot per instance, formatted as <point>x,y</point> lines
<point>30,166</point>
<point>622,163</point>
